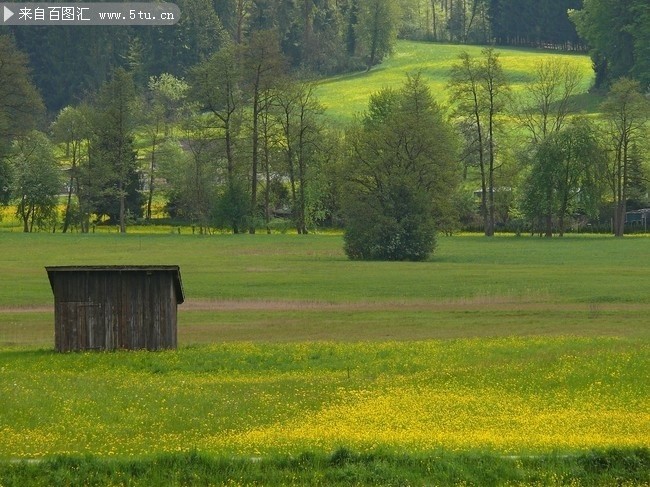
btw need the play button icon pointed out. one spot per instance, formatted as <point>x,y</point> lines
<point>7,14</point>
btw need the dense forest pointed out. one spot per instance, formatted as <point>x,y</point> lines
<point>323,36</point>
<point>217,117</point>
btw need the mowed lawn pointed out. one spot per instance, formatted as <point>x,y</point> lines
<point>300,288</point>
<point>507,345</point>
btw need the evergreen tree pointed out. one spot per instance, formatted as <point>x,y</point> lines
<point>21,107</point>
<point>114,174</point>
<point>618,33</point>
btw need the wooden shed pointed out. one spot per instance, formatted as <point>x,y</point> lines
<point>115,307</point>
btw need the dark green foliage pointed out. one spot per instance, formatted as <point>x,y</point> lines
<point>618,33</point>
<point>107,204</point>
<point>21,106</point>
<point>341,468</point>
<point>36,181</point>
<point>400,172</point>
<point>232,207</point>
<point>533,22</point>
<point>395,225</point>
<point>617,465</point>
<point>78,61</point>
<point>5,181</point>
<point>312,35</point>
<point>376,29</point>
<point>112,178</point>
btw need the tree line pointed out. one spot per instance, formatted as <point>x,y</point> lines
<point>242,144</point>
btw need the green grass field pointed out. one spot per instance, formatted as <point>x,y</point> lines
<point>286,288</point>
<point>347,95</point>
<point>496,349</point>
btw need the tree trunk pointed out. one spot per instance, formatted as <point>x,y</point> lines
<point>25,217</point>
<point>491,188</point>
<point>267,172</point>
<point>122,207</point>
<point>66,221</point>
<point>151,176</point>
<point>240,21</point>
<point>434,20</point>
<point>256,114</point>
<point>302,226</point>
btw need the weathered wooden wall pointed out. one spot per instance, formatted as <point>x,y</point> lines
<point>108,309</point>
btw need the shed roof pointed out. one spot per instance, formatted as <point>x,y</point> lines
<point>178,283</point>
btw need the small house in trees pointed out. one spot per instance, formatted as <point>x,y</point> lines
<point>115,307</point>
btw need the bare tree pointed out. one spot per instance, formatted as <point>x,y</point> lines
<point>263,65</point>
<point>480,89</point>
<point>548,98</point>
<point>626,112</point>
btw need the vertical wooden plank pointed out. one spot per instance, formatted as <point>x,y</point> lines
<point>109,308</point>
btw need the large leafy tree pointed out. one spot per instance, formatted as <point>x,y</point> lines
<point>197,176</point>
<point>263,66</point>
<point>72,128</point>
<point>566,177</point>
<point>36,181</point>
<point>401,168</point>
<point>302,131</point>
<point>165,99</point>
<point>548,98</point>
<point>216,89</point>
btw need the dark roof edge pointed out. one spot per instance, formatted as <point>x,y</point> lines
<point>180,294</point>
<point>64,268</point>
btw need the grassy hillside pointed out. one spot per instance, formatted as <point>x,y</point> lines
<point>344,96</point>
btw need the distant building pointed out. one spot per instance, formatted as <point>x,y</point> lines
<point>115,307</point>
<point>638,218</point>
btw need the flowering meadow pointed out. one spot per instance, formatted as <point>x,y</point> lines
<point>508,361</point>
<point>509,396</point>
